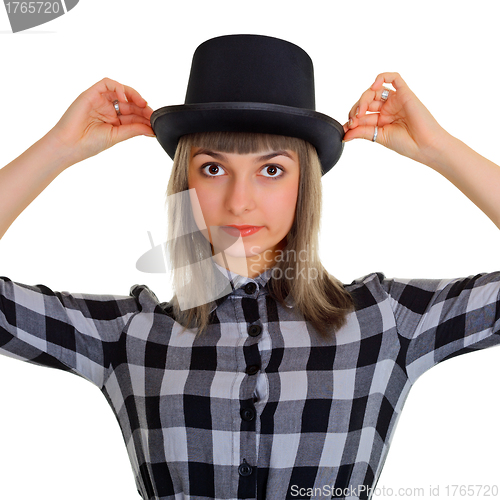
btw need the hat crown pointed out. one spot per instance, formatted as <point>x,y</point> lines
<point>251,68</point>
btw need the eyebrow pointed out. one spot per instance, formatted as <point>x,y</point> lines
<point>220,156</point>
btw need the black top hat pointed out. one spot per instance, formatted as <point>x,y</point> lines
<point>251,83</point>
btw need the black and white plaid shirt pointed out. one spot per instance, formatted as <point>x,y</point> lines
<point>261,406</point>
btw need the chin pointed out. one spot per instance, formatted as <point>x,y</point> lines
<point>239,249</point>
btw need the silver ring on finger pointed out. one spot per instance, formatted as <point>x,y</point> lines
<point>385,95</point>
<point>116,104</point>
<point>375,134</point>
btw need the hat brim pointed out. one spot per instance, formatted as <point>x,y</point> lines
<point>170,123</point>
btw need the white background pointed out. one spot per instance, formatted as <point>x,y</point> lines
<point>382,212</point>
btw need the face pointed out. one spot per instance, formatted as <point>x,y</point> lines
<point>258,190</point>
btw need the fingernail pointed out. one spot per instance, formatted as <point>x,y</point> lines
<point>150,135</point>
<point>357,111</point>
<point>350,122</point>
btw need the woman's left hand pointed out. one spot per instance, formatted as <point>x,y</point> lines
<point>404,123</point>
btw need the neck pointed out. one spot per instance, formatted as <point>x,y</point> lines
<point>250,267</point>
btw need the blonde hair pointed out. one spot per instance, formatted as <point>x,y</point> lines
<point>322,300</point>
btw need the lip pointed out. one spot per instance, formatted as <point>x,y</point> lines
<point>244,230</point>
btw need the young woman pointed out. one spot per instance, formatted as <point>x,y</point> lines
<point>263,377</point>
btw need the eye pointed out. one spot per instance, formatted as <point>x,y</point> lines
<point>213,168</point>
<point>274,170</point>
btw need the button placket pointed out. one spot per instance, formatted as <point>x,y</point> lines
<point>248,414</point>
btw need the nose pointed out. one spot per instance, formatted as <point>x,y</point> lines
<point>240,196</point>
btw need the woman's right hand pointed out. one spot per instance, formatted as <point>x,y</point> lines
<point>91,124</point>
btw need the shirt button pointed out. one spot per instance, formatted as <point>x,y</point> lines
<point>247,414</point>
<point>250,287</point>
<point>252,369</point>
<point>254,330</point>
<point>244,469</point>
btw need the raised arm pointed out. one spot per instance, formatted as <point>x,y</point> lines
<point>90,125</point>
<point>406,126</point>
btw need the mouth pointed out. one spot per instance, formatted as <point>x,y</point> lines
<point>235,230</point>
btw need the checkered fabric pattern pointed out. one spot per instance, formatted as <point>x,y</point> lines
<point>261,407</point>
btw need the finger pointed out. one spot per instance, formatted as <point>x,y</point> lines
<point>373,106</point>
<point>383,92</point>
<point>379,98</point>
<point>128,119</point>
<point>107,84</point>
<point>134,96</point>
<point>124,93</point>
<point>125,132</point>
<point>394,79</point>
<point>126,108</point>
<point>370,120</point>
<point>370,101</point>
<point>353,111</point>
<point>362,132</point>
<point>362,105</point>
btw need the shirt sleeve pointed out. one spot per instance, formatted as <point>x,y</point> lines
<point>440,319</point>
<point>71,332</point>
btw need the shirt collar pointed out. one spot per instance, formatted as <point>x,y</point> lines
<point>237,281</point>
